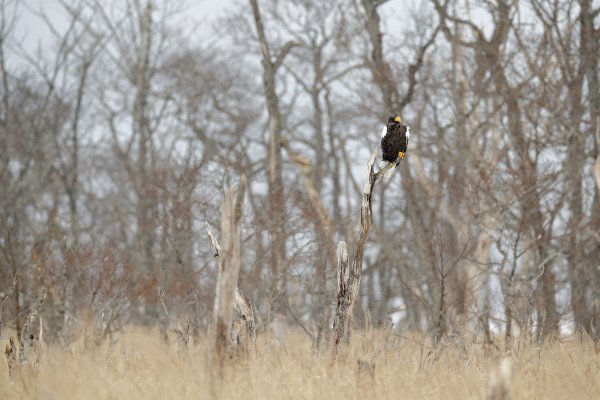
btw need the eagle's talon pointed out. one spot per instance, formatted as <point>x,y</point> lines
<point>401,155</point>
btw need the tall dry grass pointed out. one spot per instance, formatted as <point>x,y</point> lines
<point>141,366</point>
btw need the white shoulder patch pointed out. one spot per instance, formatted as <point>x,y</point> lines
<point>384,131</point>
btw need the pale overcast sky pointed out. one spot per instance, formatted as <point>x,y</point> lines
<point>32,31</point>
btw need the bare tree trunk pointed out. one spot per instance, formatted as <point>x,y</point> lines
<point>508,333</point>
<point>142,84</point>
<point>325,243</point>
<point>242,304</point>
<point>349,276</point>
<point>276,189</point>
<point>380,69</point>
<point>441,321</point>
<point>27,338</point>
<point>335,172</point>
<point>574,174</point>
<point>345,302</point>
<point>227,294</point>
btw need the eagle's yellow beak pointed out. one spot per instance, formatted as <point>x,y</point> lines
<point>397,119</point>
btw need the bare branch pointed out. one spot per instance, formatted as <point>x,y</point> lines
<point>414,68</point>
<point>284,52</point>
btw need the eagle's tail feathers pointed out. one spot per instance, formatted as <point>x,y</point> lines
<point>383,164</point>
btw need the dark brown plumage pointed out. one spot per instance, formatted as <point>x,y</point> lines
<point>394,140</point>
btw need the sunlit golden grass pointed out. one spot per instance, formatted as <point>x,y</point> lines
<point>141,366</point>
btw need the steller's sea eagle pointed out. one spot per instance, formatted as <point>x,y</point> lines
<point>394,140</point>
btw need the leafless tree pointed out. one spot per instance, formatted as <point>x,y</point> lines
<point>122,129</point>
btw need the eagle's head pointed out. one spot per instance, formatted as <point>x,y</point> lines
<point>395,119</point>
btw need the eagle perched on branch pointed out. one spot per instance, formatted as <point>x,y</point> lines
<point>394,140</point>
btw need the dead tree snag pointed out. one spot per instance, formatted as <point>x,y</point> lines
<point>349,274</point>
<point>27,339</point>
<point>229,263</point>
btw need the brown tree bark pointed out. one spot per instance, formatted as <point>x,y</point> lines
<point>146,235</point>
<point>276,188</point>
<point>578,275</point>
<point>590,48</point>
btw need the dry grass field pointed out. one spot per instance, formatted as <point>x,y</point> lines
<point>141,366</point>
